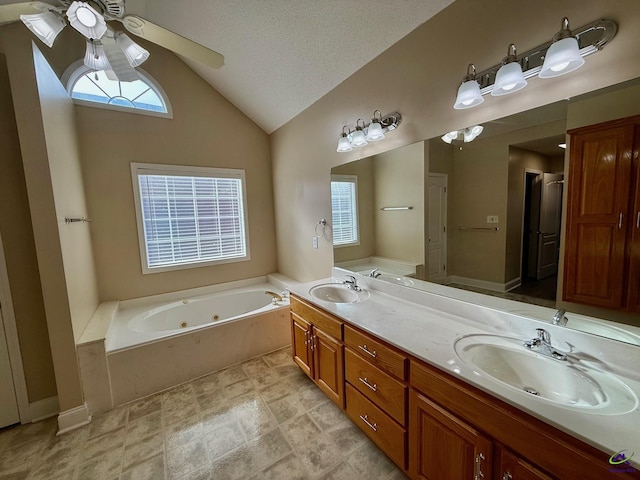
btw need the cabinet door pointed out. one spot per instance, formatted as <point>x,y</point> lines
<point>442,447</point>
<point>511,467</point>
<point>597,216</point>
<point>301,344</point>
<point>634,235</point>
<point>328,365</point>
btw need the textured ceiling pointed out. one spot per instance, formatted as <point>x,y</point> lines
<point>283,55</point>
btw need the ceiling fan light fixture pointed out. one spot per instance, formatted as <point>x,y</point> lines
<point>95,57</point>
<point>46,26</point>
<point>563,56</point>
<point>85,19</point>
<point>136,55</point>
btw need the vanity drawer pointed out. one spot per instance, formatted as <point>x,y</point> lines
<point>325,322</point>
<point>376,352</point>
<point>381,429</point>
<point>382,389</point>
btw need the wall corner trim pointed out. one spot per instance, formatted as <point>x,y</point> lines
<point>41,409</point>
<point>73,418</point>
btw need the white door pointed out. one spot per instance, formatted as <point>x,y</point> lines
<point>549,230</point>
<point>437,240</point>
<point>8,403</point>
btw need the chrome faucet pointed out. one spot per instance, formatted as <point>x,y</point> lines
<point>559,318</point>
<point>352,283</point>
<point>542,344</point>
<point>276,297</point>
<point>375,273</point>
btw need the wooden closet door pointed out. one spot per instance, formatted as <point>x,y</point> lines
<point>633,294</point>
<point>597,216</point>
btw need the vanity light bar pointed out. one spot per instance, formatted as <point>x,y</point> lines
<point>591,38</point>
<point>362,134</point>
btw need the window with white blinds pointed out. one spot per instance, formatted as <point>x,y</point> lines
<point>344,210</point>
<point>189,216</point>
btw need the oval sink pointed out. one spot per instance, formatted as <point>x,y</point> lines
<point>506,361</point>
<point>397,279</point>
<point>338,293</point>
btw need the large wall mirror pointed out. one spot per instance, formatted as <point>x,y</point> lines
<point>481,216</point>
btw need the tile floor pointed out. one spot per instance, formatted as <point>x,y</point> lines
<point>262,419</point>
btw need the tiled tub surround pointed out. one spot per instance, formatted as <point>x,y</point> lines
<point>259,420</point>
<point>426,325</point>
<point>119,364</point>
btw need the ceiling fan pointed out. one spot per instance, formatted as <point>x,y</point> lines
<point>107,49</point>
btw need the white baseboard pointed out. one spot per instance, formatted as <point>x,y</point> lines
<point>73,418</point>
<point>510,285</point>
<point>41,409</point>
<point>473,282</point>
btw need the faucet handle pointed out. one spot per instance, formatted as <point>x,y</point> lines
<point>543,335</point>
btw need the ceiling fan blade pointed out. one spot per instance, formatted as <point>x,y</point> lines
<point>11,12</point>
<point>172,41</point>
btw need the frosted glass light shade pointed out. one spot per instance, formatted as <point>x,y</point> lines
<point>450,137</point>
<point>136,55</point>
<point>95,57</point>
<point>46,26</point>
<point>374,132</point>
<point>562,57</point>
<point>343,144</point>
<point>471,133</point>
<point>85,19</point>
<point>468,95</point>
<point>358,139</point>
<point>509,79</point>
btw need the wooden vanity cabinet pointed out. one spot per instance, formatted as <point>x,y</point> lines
<point>602,252</point>
<point>510,466</point>
<point>443,447</point>
<point>317,348</point>
<point>376,389</point>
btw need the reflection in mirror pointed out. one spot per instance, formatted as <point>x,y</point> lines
<point>481,216</point>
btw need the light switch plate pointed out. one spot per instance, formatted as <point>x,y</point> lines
<point>315,242</point>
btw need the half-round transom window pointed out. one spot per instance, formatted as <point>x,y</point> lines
<point>95,88</point>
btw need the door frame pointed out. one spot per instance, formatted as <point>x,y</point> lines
<point>13,344</point>
<point>524,228</point>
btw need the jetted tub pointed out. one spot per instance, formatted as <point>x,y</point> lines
<point>152,345</point>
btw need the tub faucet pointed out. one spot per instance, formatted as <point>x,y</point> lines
<point>352,283</point>
<point>542,344</point>
<point>276,297</point>
<point>559,318</point>
<point>375,273</point>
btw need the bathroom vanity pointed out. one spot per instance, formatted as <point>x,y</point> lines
<point>408,370</point>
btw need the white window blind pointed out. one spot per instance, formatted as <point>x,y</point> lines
<point>190,219</point>
<point>344,209</point>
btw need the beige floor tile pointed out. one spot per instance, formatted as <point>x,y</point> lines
<point>222,440</point>
<point>288,468</point>
<point>143,427</point>
<point>136,453</point>
<point>269,448</point>
<point>150,469</point>
<point>187,458</point>
<point>238,464</point>
<point>231,375</point>
<point>108,421</point>
<point>183,433</point>
<point>145,406</point>
<point>287,408</point>
<point>327,415</point>
<point>106,466</point>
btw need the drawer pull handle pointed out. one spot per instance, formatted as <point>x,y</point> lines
<point>367,351</point>
<point>372,426</point>
<point>364,380</point>
<point>507,476</point>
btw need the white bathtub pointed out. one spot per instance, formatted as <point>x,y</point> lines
<point>158,342</point>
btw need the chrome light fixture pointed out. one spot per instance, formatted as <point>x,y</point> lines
<point>87,20</point>
<point>563,55</point>
<point>362,133</point>
<point>46,25</point>
<point>344,145</point>
<point>469,91</point>
<point>509,78</point>
<point>374,132</point>
<point>358,138</point>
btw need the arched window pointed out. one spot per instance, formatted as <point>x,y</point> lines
<point>95,88</point>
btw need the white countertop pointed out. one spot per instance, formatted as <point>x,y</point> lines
<point>426,325</point>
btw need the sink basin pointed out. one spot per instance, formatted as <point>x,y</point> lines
<point>397,279</point>
<point>338,293</point>
<point>505,360</point>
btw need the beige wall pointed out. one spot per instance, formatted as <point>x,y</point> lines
<point>399,181</point>
<point>20,255</point>
<point>418,77</point>
<point>206,130</point>
<point>43,110</point>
